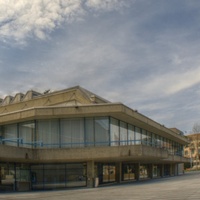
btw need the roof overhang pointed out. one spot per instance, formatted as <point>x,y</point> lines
<point>116,110</point>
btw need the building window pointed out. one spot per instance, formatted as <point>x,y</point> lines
<point>27,133</point>
<point>10,135</point>
<point>72,132</point>
<point>114,132</point>
<point>128,172</point>
<point>89,132</point>
<point>153,140</point>
<point>81,132</point>
<point>106,172</point>
<point>131,134</point>
<point>123,133</point>
<point>137,135</point>
<point>144,171</point>
<point>144,136</point>
<point>52,176</point>
<point>149,138</point>
<point>47,133</point>
<point>102,131</point>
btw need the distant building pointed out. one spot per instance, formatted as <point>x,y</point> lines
<point>192,150</point>
<point>74,138</point>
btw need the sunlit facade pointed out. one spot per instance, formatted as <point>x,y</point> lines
<point>74,138</point>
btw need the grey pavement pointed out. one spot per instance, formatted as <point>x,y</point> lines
<point>184,187</point>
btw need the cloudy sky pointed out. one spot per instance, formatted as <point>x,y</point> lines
<point>145,54</point>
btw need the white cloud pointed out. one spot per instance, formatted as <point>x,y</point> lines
<point>145,55</point>
<point>21,19</point>
<point>174,81</point>
<point>106,4</point>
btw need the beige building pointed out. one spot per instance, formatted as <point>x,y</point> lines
<point>74,138</point>
<point>192,150</point>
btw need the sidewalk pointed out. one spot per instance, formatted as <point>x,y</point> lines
<point>184,187</point>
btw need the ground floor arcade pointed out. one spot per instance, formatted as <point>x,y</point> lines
<point>27,176</point>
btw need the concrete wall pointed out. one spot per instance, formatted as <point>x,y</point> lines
<point>16,154</point>
<point>136,153</point>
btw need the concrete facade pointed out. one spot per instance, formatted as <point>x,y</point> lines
<point>75,138</point>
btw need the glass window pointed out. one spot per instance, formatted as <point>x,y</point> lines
<point>72,132</point>
<point>156,170</point>
<point>170,147</point>
<point>149,138</point>
<point>7,171</point>
<point>107,172</point>
<point>128,172</point>
<point>137,135</point>
<point>131,134</point>
<point>157,140</point>
<point>153,140</point>
<point>65,131</point>
<point>102,131</point>
<point>10,135</point>
<point>48,133</point>
<point>123,133</point>
<point>144,136</point>
<point>164,143</point>
<point>114,132</point>
<point>27,132</point>
<point>89,132</point>
<point>176,148</point>
<point>37,177</point>
<point>77,132</point>
<point>144,172</point>
<point>54,176</point>
<point>161,141</point>
<point>167,142</point>
<point>22,172</point>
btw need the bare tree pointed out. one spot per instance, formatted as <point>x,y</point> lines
<point>196,127</point>
<point>196,143</point>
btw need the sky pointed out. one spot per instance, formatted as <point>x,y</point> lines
<point>143,53</point>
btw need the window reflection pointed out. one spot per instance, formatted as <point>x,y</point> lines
<point>82,132</point>
<point>26,132</point>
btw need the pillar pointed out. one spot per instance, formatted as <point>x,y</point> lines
<point>137,171</point>
<point>176,170</point>
<point>90,174</point>
<point>162,170</point>
<point>119,172</point>
<point>172,170</point>
<point>150,172</point>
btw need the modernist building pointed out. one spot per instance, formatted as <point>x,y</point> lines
<point>192,150</point>
<point>74,138</point>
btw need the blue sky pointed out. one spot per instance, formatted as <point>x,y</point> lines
<point>142,53</point>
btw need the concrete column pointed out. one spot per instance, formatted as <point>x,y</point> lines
<point>137,171</point>
<point>119,172</point>
<point>90,174</point>
<point>150,171</point>
<point>172,170</point>
<point>176,169</point>
<point>162,170</point>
